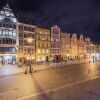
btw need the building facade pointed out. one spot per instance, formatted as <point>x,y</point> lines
<point>65,46</point>
<point>25,48</point>
<point>8,36</point>
<point>42,45</point>
<point>88,47</point>
<point>55,43</point>
<point>81,47</point>
<point>14,47</point>
<point>74,46</point>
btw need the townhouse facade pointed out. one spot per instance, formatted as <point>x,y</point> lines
<point>65,46</point>
<point>55,43</point>
<point>26,32</point>
<point>42,44</point>
<point>74,46</point>
<point>81,47</point>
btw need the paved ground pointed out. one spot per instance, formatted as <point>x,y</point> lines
<point>10,70</point>
<point>84,90</point>
<point>6,70</point>
<point>67,83</point>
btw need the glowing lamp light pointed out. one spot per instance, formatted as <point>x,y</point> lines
<point>29,40</point>
<point>27,58</point>
<point>32,57</point>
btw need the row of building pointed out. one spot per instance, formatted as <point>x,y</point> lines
<point>46,45</point>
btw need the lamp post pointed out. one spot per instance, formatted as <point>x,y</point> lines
<point>29,40</point>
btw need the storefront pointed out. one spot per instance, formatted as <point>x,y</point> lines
<point>7,59</point>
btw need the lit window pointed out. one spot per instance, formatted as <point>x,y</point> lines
<point>14,34</point>
<point>39,58</point>
<point>52,39</point>
<point>7,14</point>
<point>43,51</point>
<point>33,57</point>
<point>28,58</point>
<point>47,51</point>
<point>2,12</point>
<point>1,18</point>
<point>57,39</point>
<point>0,32</point>
<point>10,33</point>
<point>39,51</point>
<point>43,58</point>
<point>3,32</point>
<point>45,32</point>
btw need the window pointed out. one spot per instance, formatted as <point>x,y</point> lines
<point>52,39</point>
<point>14,33</point>
<point>33,29</point>
<point>20,34</point>
<point>48,45</point>
<point>43,51</point>
<point>32,35</point>
<point>3,32</point>
<point>39,51</point>
<point>25,35</point>
<point>25,28</point>
<point>0,32</point>
<point>20,27</point>
<point>39,58</point>
<point>38,37</point>
<point>20,42</point>
<point>47,51</point>
<point>38,44</point>
<point>43,45</point>
<point>43,58</point>
<point>10,33</point>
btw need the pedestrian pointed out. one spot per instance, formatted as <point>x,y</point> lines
<point>26,70</point>
<point>89,70</point>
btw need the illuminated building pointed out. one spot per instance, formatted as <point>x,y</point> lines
<point>42,44</point>
<point>88,47</point>
<point>46,44</point>
<point>96,52</point>
<point>8,36</point>
<point>13,38</point>
<point>74,46</point>
<point>81,47</point>
<point>65,46</point>
<point>25,32</point>
<point>55,43</point>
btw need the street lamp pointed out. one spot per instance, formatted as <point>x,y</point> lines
<point>29,40</point>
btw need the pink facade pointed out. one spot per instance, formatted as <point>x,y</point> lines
<point>55,43</point>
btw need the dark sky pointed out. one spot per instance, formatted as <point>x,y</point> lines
<point>72,16</point>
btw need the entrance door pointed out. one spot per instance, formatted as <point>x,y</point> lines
<point>47,59</point>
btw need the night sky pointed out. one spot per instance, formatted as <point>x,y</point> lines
<point>72,16</point>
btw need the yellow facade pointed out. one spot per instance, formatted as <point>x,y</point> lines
<point>42,38</point>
